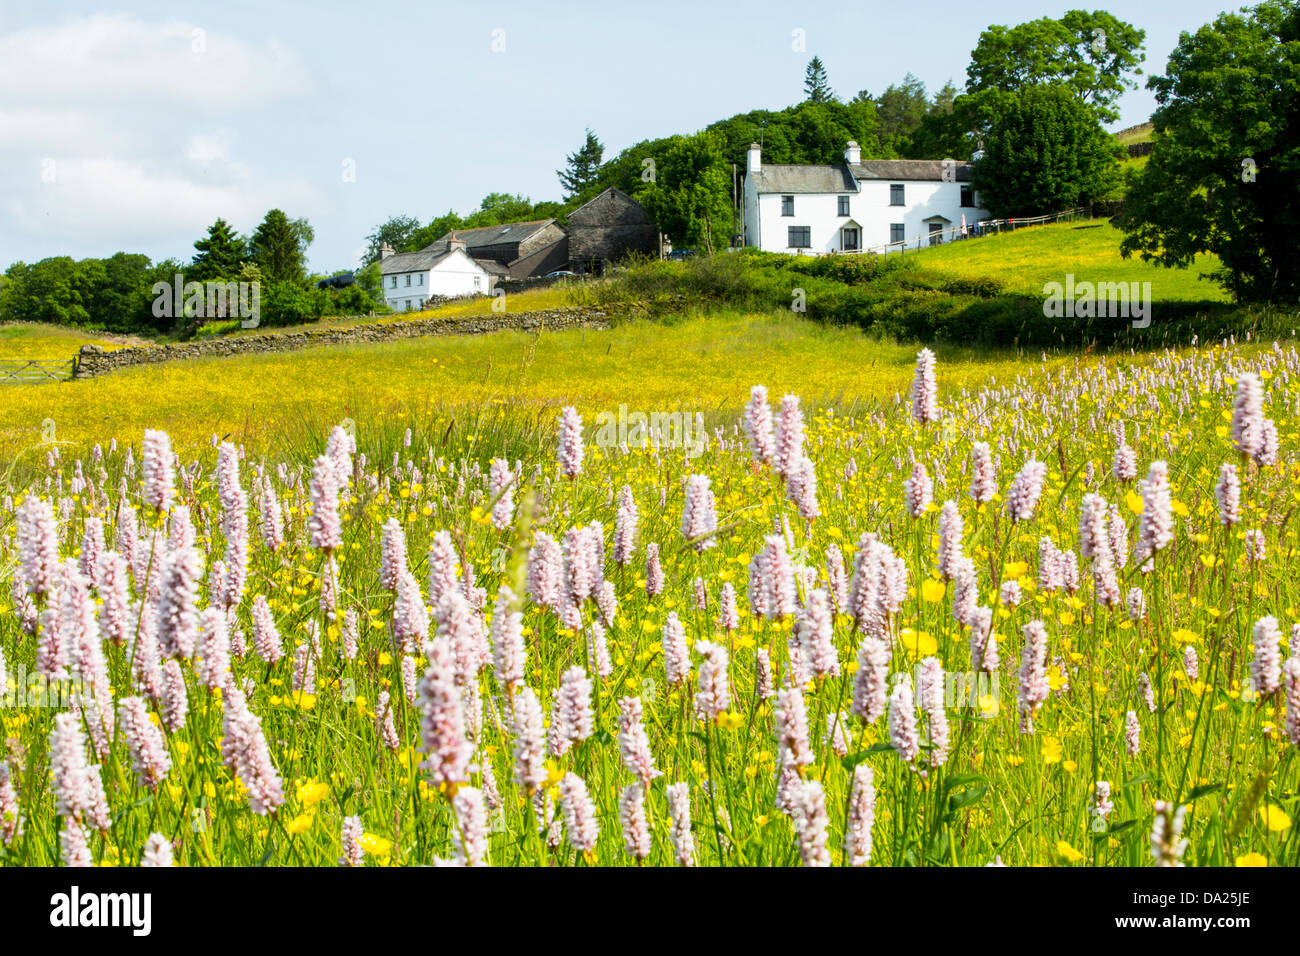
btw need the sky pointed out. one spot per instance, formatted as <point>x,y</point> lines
<point>134,128</point>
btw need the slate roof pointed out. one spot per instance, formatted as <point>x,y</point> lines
<point>492,235</point>
<point>421,261</point>
<point>908,170</point>
<point>804,179</point>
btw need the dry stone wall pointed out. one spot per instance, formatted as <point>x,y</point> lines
<point>93,360</point>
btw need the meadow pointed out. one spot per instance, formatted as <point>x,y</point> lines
<point>419,603</point>
<point>1042,620</point>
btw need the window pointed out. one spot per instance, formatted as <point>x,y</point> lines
<point>896,232</point>
<point>787,205</point>
<point>394,283</point>
<point>800,237</point>
<point>896,195</point>
<point>408,280</point>
<point>476,279</point>
<point>967,197</point>
<point>421,282</point>
<point>408,305</point>
<point>844,205</point>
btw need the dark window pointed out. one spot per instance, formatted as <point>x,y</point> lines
<point>800,237</point>
<point>844,205</point>
<point>408,280</point>
<point>896,232</point>
<point>787,205</point>
<point>967,197</point>
<point>896,195</point>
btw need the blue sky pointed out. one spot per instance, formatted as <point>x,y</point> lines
<point>134,128</point>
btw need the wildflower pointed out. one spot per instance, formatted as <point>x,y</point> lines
<point>470,833</point>
<point>392,554</point>
<point>814,627</point>
<point>1190,663</point>
<point>1131,731</point>
<point>530,741</point>
<point>351,834</point>
<point>580,821</point>
<point>447,750</point>
<point>74,849</point>
<point>634,742</point>
<point>545,571</point>
<point>925,391</point>
<point>175,699</point>
<point>1026,489</point>
<point>631,814</point>
<point>984,479</point>
<point>11,820</point>
<point>677,664</point>
<point>902,720</point>
<point>950,532</point>
<point>159,474</point>
<point>918,490</point>
<point>789,436</point>
<point>654,575</point>
<point>501,490</point>
<point>792,726</point>
<point>1156,529</point>
<point>714,694</point>
<point>510,656</point>
<point>1291,677</point>
<point>1228,494</point>
<point>625,527</point>
<point>679,808</point>
<point>144,741</point>
<point>1102,807</point>
<point>871,682</point>
<point>326,529</point>
<point>442,567</point>
<point>930,698</point>
<point>728,616</point>
<point>384,724</point>
<point>763,674</point>
<point>1248,415</point>
<point>810,823</point>
<point>245,751</point>
<point>573,717</point>
<point>699,521</point>
<point>758,426</point>
<point>862,816</point>
<point>157,852</point>
<point>1265,666</point>
<point>570,452</point>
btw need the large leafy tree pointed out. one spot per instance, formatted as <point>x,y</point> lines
<point>218,254</point>
<point>279,247</point>
<point>1092,53</point>
<point>816,83</point>
<point>581,167</point>
<point>1046,151</point>
<point>398,232</point>
<point>900,109</point>
<point>1226,156</point>
<point>690,199</point>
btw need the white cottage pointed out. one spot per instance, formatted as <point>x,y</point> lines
<point>411,278</point>
<point>855,205</point>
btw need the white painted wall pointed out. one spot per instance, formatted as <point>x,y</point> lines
<point>457,274</point>
<point>870,208</point>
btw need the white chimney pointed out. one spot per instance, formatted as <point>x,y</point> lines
<point>754,162</point>
<point>852,153</point>
<point>385,251</point>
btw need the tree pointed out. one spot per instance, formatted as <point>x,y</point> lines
<point>398,233</point>
<point>279,247</point>
<point>900,110</point>
<point>691,197</point>
<point>435,230</point>
<point>219,254</point>
<point>1093,53</point>
<point>816,84</point>
<point>582,166</point>
<point>1046,151</point>
<point>1226,152</point>
<point>497,209</point>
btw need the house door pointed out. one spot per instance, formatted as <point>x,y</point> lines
<point>850,239</point>
<point>936,233</point>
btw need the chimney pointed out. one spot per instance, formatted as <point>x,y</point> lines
<point>852,153</point>
<point>385,251</point>
<point>454,243</point>
<point>754,162</point>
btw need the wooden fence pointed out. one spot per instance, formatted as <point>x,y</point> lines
<point>985,227</point>
<point>31,371</point>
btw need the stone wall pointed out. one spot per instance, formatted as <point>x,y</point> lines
<point>93,360</point>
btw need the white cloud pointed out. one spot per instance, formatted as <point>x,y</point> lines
<point>118,58</point>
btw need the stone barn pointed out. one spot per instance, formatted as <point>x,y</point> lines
<point>607,229</point>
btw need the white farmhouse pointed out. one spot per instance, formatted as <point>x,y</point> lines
<point>856,205</point>
<point>411,278</point>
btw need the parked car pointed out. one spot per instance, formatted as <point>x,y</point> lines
<point>558,274</point>
<point>680,254</point>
